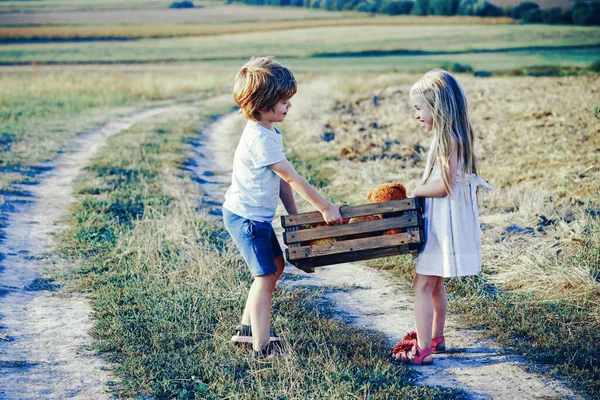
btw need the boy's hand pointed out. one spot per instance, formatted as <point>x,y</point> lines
<point>331,214</point>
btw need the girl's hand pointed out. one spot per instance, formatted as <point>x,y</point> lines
<point>417,192</point>
<point>331,214</point>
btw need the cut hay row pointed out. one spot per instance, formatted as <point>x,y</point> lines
<point>106,32</point>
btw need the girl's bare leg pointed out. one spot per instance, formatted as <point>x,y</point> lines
<point>423,286</point>
<point>440,307</point>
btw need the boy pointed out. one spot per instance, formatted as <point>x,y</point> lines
<point>261,176</point>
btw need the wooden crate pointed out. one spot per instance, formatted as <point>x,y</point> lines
<point>357,241</point>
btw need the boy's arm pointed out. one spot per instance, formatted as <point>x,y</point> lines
<point>330,211</point>
<point>286,194</point>
<point>435,188</point>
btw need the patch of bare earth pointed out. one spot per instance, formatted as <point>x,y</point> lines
<point>375,300</point>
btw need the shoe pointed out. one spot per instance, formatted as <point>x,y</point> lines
<point>243,335</point>
<point>410,353</point>
<point>271,350</point>
<point>438,344</point>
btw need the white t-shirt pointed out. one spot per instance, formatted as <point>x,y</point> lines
<point>254,190</point>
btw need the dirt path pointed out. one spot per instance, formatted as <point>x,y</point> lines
<point>379,301</point>
<point>44,342</point>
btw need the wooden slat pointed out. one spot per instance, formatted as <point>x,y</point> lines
<point>351,229</point>
<point>346,246</point>
<point>308,265</point>
<point>352,211</point>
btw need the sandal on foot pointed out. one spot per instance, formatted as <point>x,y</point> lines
<point>243,335</point>
<point>413,354</point>
<point>438,344</point>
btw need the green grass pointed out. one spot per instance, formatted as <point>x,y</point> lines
<point>167,288</point>
<point>303,44</point>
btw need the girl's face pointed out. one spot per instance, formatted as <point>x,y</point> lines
<point>422,112</point>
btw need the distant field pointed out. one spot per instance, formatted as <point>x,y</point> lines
<point>564,4</point>
<point>166,15</point>
<point>73,5</point>
<point>339,41</point>
<point>121,31</point>
<point>78,5</point>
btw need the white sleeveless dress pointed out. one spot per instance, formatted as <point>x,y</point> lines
<point>452,232</point>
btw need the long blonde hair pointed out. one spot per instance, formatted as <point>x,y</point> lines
<point>448,104</point>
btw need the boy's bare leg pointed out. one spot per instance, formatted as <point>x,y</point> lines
<point>440,307</point>
<point>423,286</point>
<point>280,263</point>
<point>259,305</point>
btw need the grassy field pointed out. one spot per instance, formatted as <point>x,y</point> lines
<point>90,5</point>
<point>138,31</point>
<point>217,13</point>
<point>538,144</point>
<point>168,289</point>
<point>540,41</point>
<point>42,109</point>
<point>154,263</point>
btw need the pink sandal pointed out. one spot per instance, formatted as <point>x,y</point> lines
<point>438,344</point>
<point>410,353</point>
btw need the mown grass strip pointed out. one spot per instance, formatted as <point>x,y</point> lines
<point>124,32</point>
<point>303,43</point>
<point>167,289</point>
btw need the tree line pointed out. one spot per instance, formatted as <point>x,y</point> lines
<point>583,12</point>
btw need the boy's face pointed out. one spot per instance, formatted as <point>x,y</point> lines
<point>278,113</point>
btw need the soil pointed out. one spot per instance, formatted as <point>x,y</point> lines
<point>376,300</point>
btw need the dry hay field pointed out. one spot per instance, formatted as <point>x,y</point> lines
<point>538,142</point>
<point>148,29</point>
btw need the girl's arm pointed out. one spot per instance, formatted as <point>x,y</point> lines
<point>285,170</point>
<point>435,188</point>
<point>286,195</point>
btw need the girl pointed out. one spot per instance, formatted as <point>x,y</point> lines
<point>452,233</point>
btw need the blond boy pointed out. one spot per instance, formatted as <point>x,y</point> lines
<point>261,176</point>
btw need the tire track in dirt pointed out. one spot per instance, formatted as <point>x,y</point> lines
<point>44,343</point>
<point>380,302</point>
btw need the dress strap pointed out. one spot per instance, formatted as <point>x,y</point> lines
<point>474,183</point>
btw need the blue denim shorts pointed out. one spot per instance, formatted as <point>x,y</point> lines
<point>255,240</point>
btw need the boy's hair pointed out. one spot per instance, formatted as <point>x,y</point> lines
<point>260,84</point>
<point>448,104</point>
